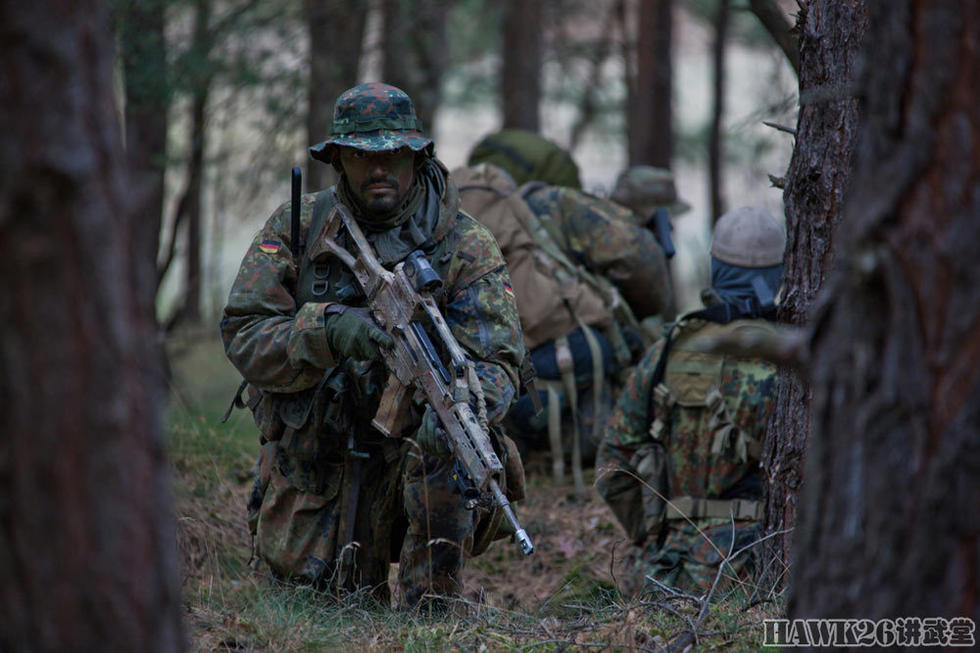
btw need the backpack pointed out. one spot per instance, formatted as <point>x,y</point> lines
<point>554,298</point>
<point>553,295</point>
<point>527,156</point>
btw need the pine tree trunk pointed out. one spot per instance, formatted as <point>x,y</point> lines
<point>87,538</point>
<point>716,137</point>
<point>831,35</point>
<point>190,313</point>
<point>651,139</point>
<point>521,70</point>
<point>144,58</point>
<point>336,30</point>
<point>415,45</point>
<point>888,522</point>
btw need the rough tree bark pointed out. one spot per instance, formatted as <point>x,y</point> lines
<point>831,34</point>
<point>888,521</point>
<point>336,30</point>
<point>520,75</point>
<point>87,539</point>
<point>651,140</point>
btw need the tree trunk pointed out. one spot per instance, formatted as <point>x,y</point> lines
<point>831,35</point>
<point>521,70</point>
<point>650,134</point>
<point>415,46</point>
<point>191,311</point>
<point>888,522</point>
<point>336,30</point>
<point>87,538</point>
<point>780,29</point>
<point>589,105</point>
<point>716,149</point>
<point>144,59</point>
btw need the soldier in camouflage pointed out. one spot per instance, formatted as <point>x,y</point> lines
<point>334,502</point>
<point>605,242</point>
<point>643,189</point>
<point>679,461</point>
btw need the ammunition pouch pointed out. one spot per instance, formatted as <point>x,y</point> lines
<point>637,492</point>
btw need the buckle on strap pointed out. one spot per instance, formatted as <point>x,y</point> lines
<point>684,508</point>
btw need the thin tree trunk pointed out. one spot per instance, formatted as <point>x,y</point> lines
<point>521,70</point>
<point>415,43</point>
<point>144,59</point>
<point>888,523</point>
<point>87,538</point>
<point>780,29</point>
<point>589,107</point>
<point>190,312</point>
<point>336,30</point>
<point>832,33</point>
<point>651,140</point>
<point>716,149</point>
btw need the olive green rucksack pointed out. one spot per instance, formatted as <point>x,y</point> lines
<point>527,156</point>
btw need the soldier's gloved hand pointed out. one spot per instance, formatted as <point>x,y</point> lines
<point>431,436</point>
<point>352,333</point>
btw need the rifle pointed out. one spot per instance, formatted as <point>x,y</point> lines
<point>399,301</point>
<point>660,221</point>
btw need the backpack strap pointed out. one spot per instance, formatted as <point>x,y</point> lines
<point>305,274</point>
<point>690,508</point>
<point>531,187</point>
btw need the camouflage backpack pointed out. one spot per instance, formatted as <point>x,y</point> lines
<point>708,413</point>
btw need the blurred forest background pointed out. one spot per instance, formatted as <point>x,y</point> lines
<point>110,231</point>
<point>222,97</point>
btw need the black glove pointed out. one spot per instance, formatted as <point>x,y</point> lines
<point>352,333</point>
<point>431,436</point>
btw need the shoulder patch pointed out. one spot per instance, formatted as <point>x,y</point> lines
<point>270,246</point>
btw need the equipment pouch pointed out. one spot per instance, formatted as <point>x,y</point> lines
<point>650,463</point>
<point>265,412</point>
<point>635,491</point>
<point>491,525</point>
<point>298,442</point>
<point>513,468</point>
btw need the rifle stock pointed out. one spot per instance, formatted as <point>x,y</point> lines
<point>399,300</point>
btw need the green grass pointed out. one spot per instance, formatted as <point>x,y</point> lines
<point>232,607</point>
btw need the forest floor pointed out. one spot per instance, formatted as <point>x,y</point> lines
<point>565,596</point>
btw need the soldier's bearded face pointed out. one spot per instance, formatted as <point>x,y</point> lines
<point>381,180</point>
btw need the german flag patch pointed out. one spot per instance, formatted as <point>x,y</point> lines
<point>509,288</point>
<point>269,246</point>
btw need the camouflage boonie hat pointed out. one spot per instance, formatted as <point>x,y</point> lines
<point>645,188</point>
<point>373,117</point>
